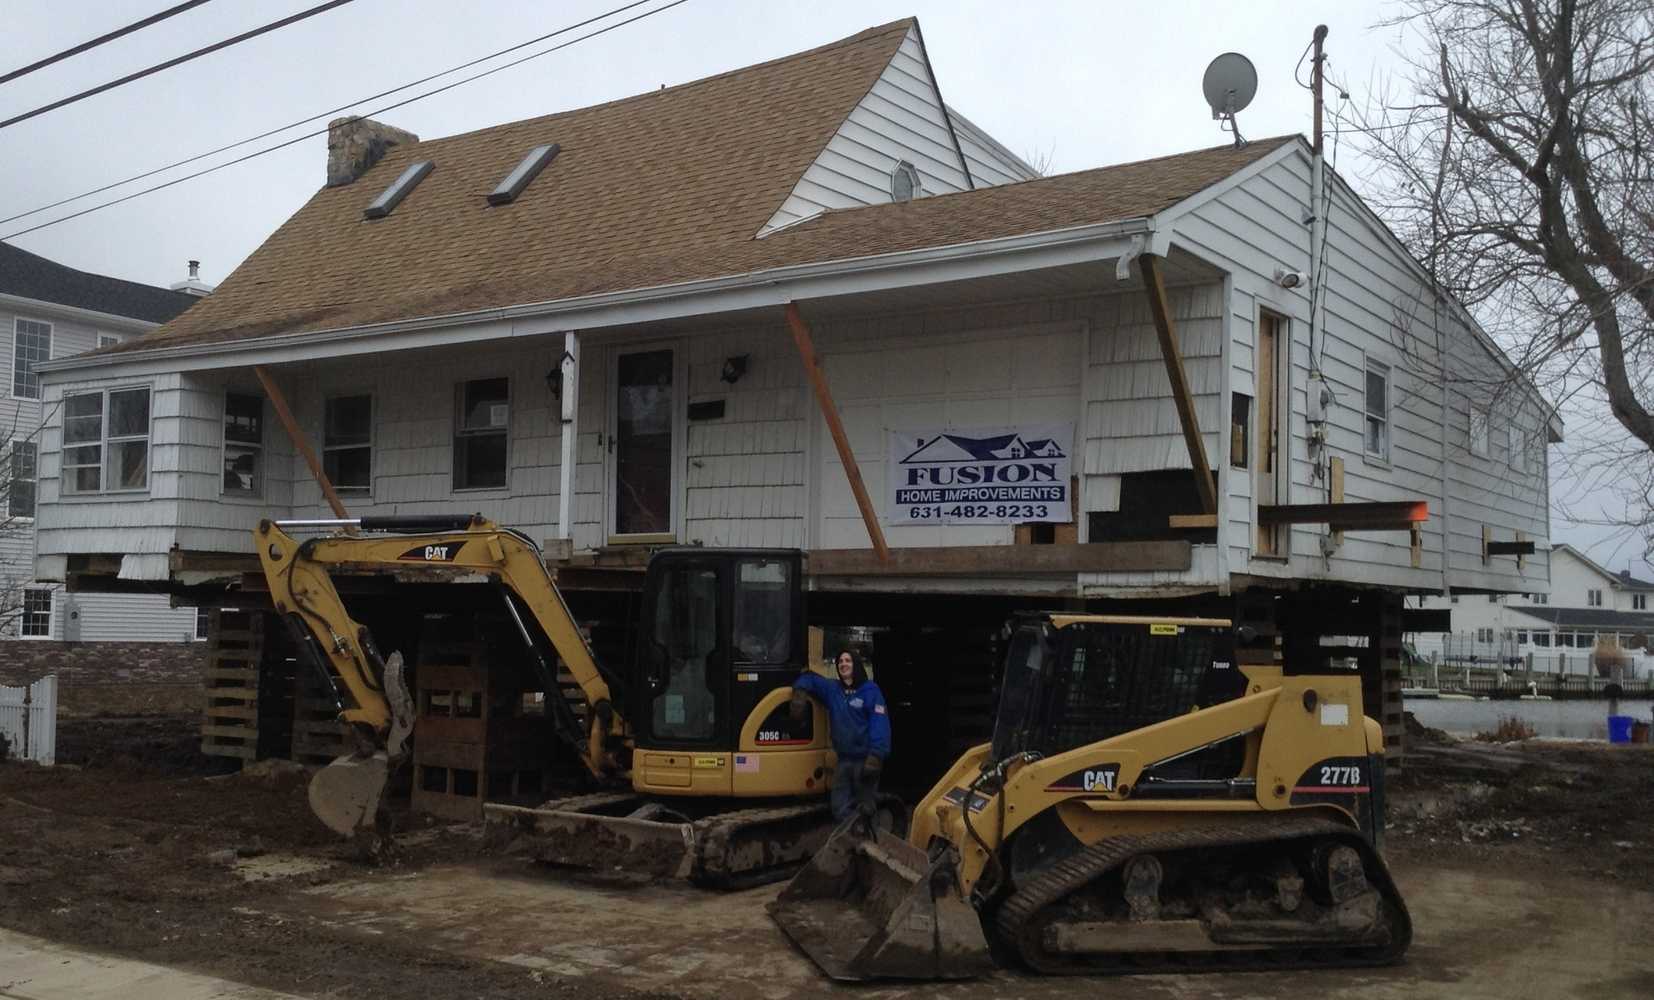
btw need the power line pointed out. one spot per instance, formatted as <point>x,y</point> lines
<point>101,39</point>
<point>324,114</point>
<point>378,111</point>
<point>158,67</point>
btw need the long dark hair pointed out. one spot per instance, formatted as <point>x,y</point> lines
<point>858,672</point>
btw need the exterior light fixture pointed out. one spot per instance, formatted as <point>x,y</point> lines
<point>734,368</point>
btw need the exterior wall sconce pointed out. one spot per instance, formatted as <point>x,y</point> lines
<point>734,368</point>
<point>554,377</point>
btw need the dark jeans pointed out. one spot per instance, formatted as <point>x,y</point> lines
<point>850,790</point>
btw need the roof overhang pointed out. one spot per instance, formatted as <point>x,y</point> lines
<point>772,287</point>
<point>24,305</point>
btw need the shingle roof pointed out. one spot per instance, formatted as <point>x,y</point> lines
<point>665,187</point>
<point>31,276</point>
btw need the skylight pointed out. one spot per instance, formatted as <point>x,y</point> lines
<point>524,172</point>
<point>398,190</point>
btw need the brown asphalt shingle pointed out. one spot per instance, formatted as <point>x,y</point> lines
<point>665,187</point>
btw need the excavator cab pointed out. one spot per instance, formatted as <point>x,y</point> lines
<point>722,630</point>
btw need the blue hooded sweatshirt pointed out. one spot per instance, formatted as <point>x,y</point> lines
<point>859,721</point>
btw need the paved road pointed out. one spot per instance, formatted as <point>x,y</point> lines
<point>35,969</point>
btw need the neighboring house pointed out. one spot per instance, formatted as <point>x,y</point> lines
<point>598,352</point>
<point>51,311</point>
<point>1586,604</point>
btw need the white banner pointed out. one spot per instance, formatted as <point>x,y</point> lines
<point>985,475</point>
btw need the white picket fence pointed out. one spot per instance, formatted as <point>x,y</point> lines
<point>28,720</point>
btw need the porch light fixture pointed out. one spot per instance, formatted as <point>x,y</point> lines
<point>554,376</point>
<point>734,368</point>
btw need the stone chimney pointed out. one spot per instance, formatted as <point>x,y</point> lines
<point>355,144</point>
<point>193,285</point>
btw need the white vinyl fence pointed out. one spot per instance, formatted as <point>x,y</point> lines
<point>28,720</point>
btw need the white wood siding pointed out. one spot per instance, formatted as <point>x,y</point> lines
<point>901,118</point>
<point>1376,306</point>
<point>991,163</point>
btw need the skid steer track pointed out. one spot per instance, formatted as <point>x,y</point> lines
<point>1024,919</point>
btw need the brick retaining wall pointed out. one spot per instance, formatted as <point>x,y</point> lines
<point>111,678</point>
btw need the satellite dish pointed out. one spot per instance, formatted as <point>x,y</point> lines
<point>1230,83</point>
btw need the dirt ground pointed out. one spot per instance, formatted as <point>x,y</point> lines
<point>1528,868</point>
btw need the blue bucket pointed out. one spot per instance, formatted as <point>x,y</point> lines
<point>1619,728</point>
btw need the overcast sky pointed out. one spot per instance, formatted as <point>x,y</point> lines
<point>1081,83</point>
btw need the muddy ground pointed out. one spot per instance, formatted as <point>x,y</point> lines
<point>137,845</point>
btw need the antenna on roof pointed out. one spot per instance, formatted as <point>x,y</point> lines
<point>1230,83</point>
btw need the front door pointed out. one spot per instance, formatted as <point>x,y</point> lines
<point>644,443</point>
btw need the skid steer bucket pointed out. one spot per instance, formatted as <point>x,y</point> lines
<point>873,906</point>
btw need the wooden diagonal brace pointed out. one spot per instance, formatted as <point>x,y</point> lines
<point>835,427</point>
<point>1180,383</point>
<point>284,413</point>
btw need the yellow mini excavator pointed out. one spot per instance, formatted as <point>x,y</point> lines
<point>703,772</point>
<point>1145,804</point>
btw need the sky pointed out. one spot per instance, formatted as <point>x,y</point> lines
<point>1077,84</point>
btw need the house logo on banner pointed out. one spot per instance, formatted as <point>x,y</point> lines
<point>1000,475</point>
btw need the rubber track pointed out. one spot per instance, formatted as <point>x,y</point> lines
<point>1018,912</point>
<point>715,834</point>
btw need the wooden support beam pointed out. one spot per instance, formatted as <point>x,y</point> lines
<point>835,427</point>
<point>1161,308</point>
<point>1335,493</point>
<point>284,413</point>
<point>1395,515</point>
<point>1180,521</point>
<point>1005,560</point>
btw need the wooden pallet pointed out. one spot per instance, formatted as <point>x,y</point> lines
<point>318,735</point>
<point>235,650</point>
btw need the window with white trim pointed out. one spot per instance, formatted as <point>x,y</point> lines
<point>243,445</point>
<point>36,621</point>
<point>203,622</point>
<point>106,441</point>
<point>108,339</point>
<point>31,344</point>
<point>1478,431</point>
<point>482,415</point>
<point>1378,410</point>
<point>20,478</point>
<point>1593,598</point>
<point>1639,602</point>
<point>1541,598</point>
<point>347,443</point>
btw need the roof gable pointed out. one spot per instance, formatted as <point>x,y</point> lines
<point>31,276</point>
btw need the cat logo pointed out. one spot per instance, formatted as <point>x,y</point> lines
<point>1099,781</point>
<point>446,552</point>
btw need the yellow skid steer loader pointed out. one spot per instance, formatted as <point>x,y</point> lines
<point>1145,805</point>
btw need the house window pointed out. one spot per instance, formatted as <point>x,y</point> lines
<point>37,613</point>
<point>1240,429</point>
<point>904,182</point>
<point>108,340</point>
<point>1541,598</point>
<point>347,443</point>
<point>1521,637</point>
<point>1593,598</point>
<point>243,444</point>
<point>1518,449</point>
<point>1478,431</point>
<point>1542,640</point>
<point>106,441</point>
<point>482,413</point>
<point>31,344</point>
<point>1484,635</point>
<point>1378,410</point>
<point>21,475</point>
<point>1639,602</point>
<point>203,622</point>
<point>1454,599</point>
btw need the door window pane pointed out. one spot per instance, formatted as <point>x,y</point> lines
<point>644,410</point>
<point>683,704</point>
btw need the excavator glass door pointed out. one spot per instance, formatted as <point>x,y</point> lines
<point>721,628</point>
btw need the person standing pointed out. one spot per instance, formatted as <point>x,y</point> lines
<point>860,725</point>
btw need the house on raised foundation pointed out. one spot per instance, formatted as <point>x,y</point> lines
<point>807,303</point>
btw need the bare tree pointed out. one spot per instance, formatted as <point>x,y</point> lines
<point>19,449</point>
<point>1518,163</point>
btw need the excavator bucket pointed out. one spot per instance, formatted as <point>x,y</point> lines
<point>346,795</point>
<point>870,905</point>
